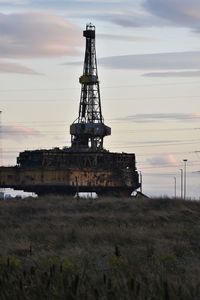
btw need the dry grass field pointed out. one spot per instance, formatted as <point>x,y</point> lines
<point>109,248</point>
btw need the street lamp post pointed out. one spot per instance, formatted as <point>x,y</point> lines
<point>140,181</point>
<point>185,162</point>
<point>181,183</point>
<point>174,187</point>
<point>1,151</point>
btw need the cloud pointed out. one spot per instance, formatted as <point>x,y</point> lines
<point>157,61</point>
<point>8,67</point>
<point>132,18</point>
<point>185,13</point>
<point>76,8</point>
<point>158,117</point>
<point>28,35</point>
<point>18,133</point>
<point>120,12</point>
<point>157,13</point>
<point>117,37</point>
<point>127,13</point>
<point>13,2</point>
<point>174,74</point>
<point>163,160</point>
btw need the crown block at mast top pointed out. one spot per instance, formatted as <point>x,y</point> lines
<point>90,75</point>
<point>90,31</point>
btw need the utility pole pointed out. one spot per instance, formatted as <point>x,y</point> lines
<point>181,183</point>
<point>174,187</point>
<point>184,194</point>
<point>1,150</point>
<point>141,182</point>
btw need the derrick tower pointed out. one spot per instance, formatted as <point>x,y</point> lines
<point>88,130</point>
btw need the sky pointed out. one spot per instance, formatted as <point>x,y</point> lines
<point>149,69</point>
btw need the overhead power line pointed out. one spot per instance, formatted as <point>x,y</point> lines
<point>106,99</point>
<point>50,124</point>
<point>103,87</point>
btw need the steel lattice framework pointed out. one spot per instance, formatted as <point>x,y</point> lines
<point>89,130</point>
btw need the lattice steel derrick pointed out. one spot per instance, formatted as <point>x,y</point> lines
<point>89,130</point>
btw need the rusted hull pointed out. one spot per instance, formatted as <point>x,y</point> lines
<point>67,173</point>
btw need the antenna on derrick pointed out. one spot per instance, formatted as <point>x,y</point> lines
<point>89,130</point>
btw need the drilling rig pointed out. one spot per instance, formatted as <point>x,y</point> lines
<point>85,166</point>
<point>89,130</point>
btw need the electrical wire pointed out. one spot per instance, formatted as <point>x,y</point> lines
<point>172,98</point>
<point>102,86</point>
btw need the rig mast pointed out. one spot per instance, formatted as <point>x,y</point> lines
<point>88,130</point>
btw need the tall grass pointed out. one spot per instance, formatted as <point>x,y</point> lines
<point>64,248</point>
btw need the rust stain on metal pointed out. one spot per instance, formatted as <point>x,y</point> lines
<point>45,171</point>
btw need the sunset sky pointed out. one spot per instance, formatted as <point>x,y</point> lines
<point>149,69</point>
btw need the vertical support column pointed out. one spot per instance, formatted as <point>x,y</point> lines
<point>1,140</point>
<point>185,177</point>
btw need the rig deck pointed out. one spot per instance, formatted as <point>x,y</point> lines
<point>61,171</point>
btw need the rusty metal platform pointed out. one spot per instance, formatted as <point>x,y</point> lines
<point>62,171</point>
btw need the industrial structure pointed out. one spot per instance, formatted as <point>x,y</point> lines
<point>85,166</point>
<point>89,130</point>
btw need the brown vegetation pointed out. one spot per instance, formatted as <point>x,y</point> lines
<point>64,248</point>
